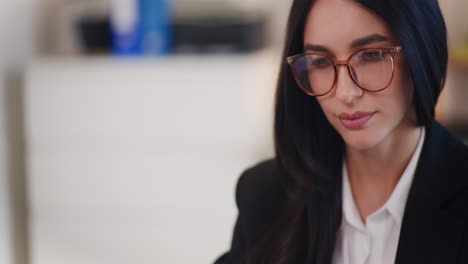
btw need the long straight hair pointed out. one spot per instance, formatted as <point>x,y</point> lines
<point>309,150</point>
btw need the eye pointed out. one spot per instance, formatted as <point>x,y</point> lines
<point>372,55</point>
<point>320,63</point>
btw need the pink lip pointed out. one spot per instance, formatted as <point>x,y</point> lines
<point>355,120</point>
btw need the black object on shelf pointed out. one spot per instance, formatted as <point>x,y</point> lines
<point>218,34</point>
<point>94,34</point>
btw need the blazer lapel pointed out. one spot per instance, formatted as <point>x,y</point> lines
<point>431,230</point>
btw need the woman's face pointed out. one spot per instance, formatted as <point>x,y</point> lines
<point>332,26</point>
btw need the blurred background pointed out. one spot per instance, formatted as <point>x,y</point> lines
<point>124,124</point>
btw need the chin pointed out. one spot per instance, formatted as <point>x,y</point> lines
<point>360,140</point>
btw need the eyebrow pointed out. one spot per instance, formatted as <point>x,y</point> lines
<point>355,43</point>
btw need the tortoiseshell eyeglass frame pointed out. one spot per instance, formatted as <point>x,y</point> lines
<point>390,50</point>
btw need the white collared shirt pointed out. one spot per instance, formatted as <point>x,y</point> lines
<point>376,241</point>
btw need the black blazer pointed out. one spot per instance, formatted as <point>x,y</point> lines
<point>435,222</point>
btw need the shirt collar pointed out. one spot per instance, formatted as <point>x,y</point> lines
<point>397,200</point>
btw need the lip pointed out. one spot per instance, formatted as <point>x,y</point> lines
<point>355,120</point>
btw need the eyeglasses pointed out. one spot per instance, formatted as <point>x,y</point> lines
<point>371,69</point>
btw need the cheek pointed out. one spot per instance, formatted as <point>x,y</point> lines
<point>401,91</point>
<point>404,80</point>
<point>396,105</point>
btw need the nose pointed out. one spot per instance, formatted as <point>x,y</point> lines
<point>346,89</point>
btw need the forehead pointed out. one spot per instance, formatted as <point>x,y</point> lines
<point>336,23</point>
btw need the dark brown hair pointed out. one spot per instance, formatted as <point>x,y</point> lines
<point>309,150</point>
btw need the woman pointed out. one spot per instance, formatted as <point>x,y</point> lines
<point>363,173</point>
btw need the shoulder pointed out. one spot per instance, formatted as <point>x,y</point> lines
<point>259,184</point>
<point>450,149</point>
<point>451,153</point>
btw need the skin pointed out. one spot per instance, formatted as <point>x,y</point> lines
<point>389,138</point>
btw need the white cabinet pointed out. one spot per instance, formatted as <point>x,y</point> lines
<point>136,160</point>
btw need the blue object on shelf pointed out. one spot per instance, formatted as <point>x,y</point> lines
<point>140,27</point>
<point>155,27</point>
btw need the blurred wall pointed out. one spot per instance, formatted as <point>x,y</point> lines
<point>6,249</point>
<point>454,110</point>
<point>455,16</point>
<point>18,42</point>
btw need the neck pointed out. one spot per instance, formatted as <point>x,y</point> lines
<point>380,168</point>
<point>374,173</point>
